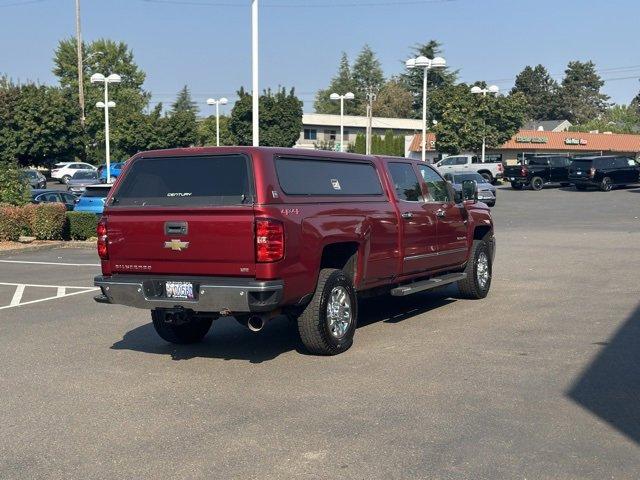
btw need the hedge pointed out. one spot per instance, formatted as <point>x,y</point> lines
<point>13,222</point>
<point>81,225</point>
<point>47,220</point>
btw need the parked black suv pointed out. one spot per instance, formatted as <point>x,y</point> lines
<point>603,172</point>
<point>539,171</point>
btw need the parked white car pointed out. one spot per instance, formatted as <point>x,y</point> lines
<point>491,170</point>
<point>63,171</point>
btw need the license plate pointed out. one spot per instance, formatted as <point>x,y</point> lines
<point>179,290</point>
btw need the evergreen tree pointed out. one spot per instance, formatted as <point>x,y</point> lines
<point>540,91</point>
<point>342,83</point>
<point>582,100</point>
<point>184,102</point>
<point>367,74</point>
<point>393,101</point>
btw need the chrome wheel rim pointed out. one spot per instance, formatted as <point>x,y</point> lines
<point>482,270</point>
<point>339,312</point>
<point>606,184</point>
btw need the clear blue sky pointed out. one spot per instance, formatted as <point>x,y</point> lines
<point>206,43</point>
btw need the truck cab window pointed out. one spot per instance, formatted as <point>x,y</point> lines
<point>436,185</point>
<point>405,182</point>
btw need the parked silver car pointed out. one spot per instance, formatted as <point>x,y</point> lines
<point>486,191</point>
<point>78,183</point>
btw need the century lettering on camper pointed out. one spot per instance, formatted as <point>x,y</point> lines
<point>179,194</point>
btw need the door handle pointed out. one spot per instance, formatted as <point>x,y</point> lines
<point>407,215</point>
<point>441,213</point>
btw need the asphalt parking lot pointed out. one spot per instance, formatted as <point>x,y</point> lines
<point>541,380</point>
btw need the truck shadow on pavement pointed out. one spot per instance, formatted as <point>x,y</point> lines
<point>228,340</point>
<point>610,386</point>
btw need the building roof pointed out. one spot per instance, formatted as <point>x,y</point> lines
<point>329,120</point>
<point>416,143</point>
<point>548,125</point>
<point>558,142</point>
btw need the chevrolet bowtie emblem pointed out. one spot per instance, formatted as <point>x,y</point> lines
<point>176,245</point>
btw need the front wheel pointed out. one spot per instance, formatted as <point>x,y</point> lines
<point>181,328</point>
<point>65,179</point>
<point>327,325</point>
<point>479,270</point>
<point>487,176</point>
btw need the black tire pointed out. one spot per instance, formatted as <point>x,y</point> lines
<point>537,183</point>
<point>487,176</point>
<point>581,188</point>
<point>65,179</point>
<point>517,186</point>
<point>606,185</point>
<point>191,330</point>
<point>314,324</point>
<point>491,204</point>
<point>472,287</point>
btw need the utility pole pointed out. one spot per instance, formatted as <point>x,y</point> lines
<point>371,96</point>
<point>80,65</point>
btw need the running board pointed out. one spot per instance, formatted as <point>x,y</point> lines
<point>435,282</point>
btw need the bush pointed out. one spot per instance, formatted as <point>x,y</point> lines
<point>13,187</point>
<point>13,222</point>
<point>81,225</point>
<point>47,220</point>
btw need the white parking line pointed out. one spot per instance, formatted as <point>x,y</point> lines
<point>61,292</point>
<point>17,296</point>
<point>52,263</point>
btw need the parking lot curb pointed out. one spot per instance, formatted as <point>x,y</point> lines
<point>48,246</point>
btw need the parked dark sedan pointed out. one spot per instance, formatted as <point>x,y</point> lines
<point>53,196</point>
<point>487,192</point>
<point>35,178</point>
<point>80,180</point>
<point>604,172</point>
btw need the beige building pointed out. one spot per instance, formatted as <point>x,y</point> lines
<point>320,127</point>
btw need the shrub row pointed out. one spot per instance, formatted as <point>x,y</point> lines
<point>45,221</point>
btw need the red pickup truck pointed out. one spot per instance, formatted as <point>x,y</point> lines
<point>195,234</point>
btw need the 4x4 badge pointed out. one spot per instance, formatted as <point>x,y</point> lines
<point>176,245</point>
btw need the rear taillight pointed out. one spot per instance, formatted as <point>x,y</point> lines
<point>500,168</point>
<point>592,172</point>
<point>101,232</point>
<point>524,171</point>
<point>269,240</point>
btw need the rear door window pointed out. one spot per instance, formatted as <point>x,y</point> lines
<point>307,176</point>
<point>194,181</point>
<point>405,182</point>
<point>96,192</point>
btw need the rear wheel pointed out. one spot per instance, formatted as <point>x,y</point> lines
<point>606,184</point>
<point>65,179</point>
<point>517,186</point>
<point>479,269</point>
<point>537,183</point>
<point>328,323</point>
<point>182,328</point>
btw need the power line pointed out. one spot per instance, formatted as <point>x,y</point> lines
<point>319,4</point>
<point>19,4</point>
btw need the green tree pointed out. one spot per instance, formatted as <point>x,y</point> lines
<point>106,57</point>
<point>207,132</point>
<point>184,102</point>
<point>393,101</point>
<point>635,103</point>
<point>359,145</point>
<point>617,119</point>
<point>436,77</point>
<point>582,100</point>
<point>280,118</point>
<point>342,83</point>
<point>14,189</point>
<point>367,74</point>
<point>465,117</point>
<point>540,91</point>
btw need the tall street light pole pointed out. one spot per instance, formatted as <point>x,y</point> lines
<point>80,65</point>
<point>217,103</point>
<point>426,64</point>
<point>254,70</point>
<point>100,78</point>
<point>342,98</point>
<point>493,89</point>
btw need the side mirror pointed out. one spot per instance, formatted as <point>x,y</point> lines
<point>470,190</point>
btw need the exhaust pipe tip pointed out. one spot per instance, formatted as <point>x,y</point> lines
<point>255,323</point>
